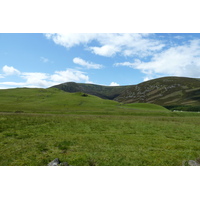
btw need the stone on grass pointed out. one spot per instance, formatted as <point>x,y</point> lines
<point>193,163</point>
<point>55,162</point>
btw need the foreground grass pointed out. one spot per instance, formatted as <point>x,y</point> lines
<point>39,125</point>
<point>100,139</point>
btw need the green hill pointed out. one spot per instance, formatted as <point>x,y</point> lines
<point>167,91</point>
<point>53,100</point>
<point>49,100</point>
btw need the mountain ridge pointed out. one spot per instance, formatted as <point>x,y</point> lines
<point>165,91</point>
<point>104,92</point>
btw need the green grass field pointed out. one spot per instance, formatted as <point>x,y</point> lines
<point>39,125</point>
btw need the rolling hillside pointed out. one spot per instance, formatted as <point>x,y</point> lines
<point>172,92</point>
<point>50,100</point>
<point>53,100</point>
<point>165,91</point>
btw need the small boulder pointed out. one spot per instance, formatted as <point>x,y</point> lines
<point>55,162</point>
<point>193,163</point>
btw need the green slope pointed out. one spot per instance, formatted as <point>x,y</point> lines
<point>49,100</point>
<point>53,100</point>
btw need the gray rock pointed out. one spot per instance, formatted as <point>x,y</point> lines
<point>55,162</point>
<point>193,163</point>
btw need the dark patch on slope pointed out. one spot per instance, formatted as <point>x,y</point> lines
<point>104,92</point>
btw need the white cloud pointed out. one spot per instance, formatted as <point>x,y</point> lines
<point>71,39</point>
<point>106,50</point>
<point>9,71</point>
<point>129,64</point>
<point>13,83</point>
<point>183,60</point>
<point>36,79</point>
<point>45,60</point>
<point>89,65</point>
<point>44,80</point>
<point>69,75</point>
<point>127,44</point>
<point>146,79</point>
<point>114,84</point>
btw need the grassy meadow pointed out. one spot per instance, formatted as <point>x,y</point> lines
<point>39,125</point>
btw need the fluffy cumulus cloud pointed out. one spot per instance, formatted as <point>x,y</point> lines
<point>44,80</point>
<point>109,44</point>
<point>180,60</point>
<point>36,79</point>
<point>105,50</point>
<point>71,39</point>
<point>86,64</point>
<point>114,84</point>
<point>9,71</point>
<point>69,75</point>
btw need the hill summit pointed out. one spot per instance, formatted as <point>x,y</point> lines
<point>104,92</point>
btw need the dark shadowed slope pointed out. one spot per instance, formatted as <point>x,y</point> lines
<point>105,92</point>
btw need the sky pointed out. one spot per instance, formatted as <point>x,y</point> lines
<point>111,59</point>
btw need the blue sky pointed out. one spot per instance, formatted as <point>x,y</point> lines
<point>43,60</point>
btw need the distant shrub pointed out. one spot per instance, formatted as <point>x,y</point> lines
<point>84,95</point>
